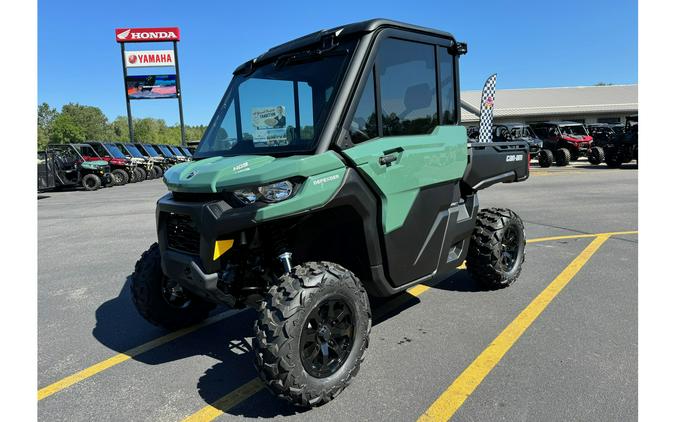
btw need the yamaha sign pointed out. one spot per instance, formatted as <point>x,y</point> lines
<point>152,58</point>
<point>147,34</point>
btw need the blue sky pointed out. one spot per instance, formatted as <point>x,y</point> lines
<point>528,43</point>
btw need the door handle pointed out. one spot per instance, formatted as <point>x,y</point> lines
<point>387,159</point>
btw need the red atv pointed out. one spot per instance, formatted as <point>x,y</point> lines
<point>567,140</point>
<point>129,170</point>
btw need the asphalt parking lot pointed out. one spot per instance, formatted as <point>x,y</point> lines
<point>448,350</point>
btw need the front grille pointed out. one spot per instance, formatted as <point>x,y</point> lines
<point>181,234</point>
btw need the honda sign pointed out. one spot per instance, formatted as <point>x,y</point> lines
<point>147,34</point>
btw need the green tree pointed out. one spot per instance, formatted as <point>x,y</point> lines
<point>119,129</point>
<point>148,129</point>
<point>45,117</point>
<point>65,130</point>
<point>90,119</point>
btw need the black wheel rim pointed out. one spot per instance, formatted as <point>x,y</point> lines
<point>90,182</point>
<point>173,294</point>
<point>118,178</point>
<point>327,337</point>
<point>510,249</point>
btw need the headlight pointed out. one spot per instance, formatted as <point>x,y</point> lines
<point>274,192</point>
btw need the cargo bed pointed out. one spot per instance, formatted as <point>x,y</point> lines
<point>496,162</point>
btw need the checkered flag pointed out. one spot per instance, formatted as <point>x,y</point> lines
<point>487,106</point>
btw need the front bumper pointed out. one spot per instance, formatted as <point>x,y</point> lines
<point>581,147</point>
<point>187,232</point>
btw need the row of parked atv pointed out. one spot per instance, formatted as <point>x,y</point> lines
<point>94,165</point>
<point>561,142</point>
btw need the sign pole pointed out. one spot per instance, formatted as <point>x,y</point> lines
<point>180,95</point>
<point>126,95</point>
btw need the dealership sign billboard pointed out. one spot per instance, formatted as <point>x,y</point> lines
<point>149,58</point>
<point>150,86</point>
<point>147,34</point>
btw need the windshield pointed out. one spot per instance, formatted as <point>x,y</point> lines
<point>175,150</point>
<point>133,150</point>
<point>114,151</point>
<point>166,151</point>
<point>576,130</point>
<point>186,152</point>
<point>151,150</point>
<point>278,108</point>
<point>522,132</point>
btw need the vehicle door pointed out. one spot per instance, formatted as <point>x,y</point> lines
<point>411,158</point>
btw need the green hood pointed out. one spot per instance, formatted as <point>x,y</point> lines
<point>215,174</point>
<point>94,165</point>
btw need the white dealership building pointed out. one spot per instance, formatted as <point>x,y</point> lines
<point>584,104</point>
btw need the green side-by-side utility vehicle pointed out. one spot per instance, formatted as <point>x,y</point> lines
<point>333,170</point>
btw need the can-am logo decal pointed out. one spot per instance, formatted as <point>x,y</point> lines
<point>326,179</point>
<point>192,174</point>
<point>147,34</point>
<point>510,158</point>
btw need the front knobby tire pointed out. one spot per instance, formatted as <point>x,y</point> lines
<point>545,158</point>
<point>596,156</point>
<point>120,177</point>
<point>91,182</point>
<point>562,157</point>
<point>497,248</point>
<point>159,300</point>
<point>142,174</point>
<point>311,333</point>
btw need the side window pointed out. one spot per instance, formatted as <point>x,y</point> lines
<point>364,123</point>
<point>407,78</point>
<point>447,67</point>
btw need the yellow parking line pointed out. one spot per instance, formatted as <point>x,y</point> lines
<point>454,396</point>
<point>223,404</point>
<point>579,236</point>
<point>124,356</point>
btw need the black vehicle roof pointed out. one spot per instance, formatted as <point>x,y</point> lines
<point>343,31</point>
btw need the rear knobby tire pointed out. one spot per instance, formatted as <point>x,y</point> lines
<point>596,155</point>
<point>562,157</point>
<point>495,258</point>
<point>150,292</point>
<point>158,171</point>
<point>289,310</point>
<point>91,182</point>
<point>545,158</point>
